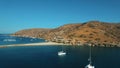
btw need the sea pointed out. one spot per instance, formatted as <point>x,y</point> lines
<point>47,56</point>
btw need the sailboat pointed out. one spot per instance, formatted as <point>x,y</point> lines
<point>61,53</point>
<point>90,60</point>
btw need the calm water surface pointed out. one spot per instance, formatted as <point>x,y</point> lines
<point>46,56</point>
<point>6,40</point>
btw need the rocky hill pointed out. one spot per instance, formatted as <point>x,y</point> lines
<point>98,33</point>
<point>35,32</point>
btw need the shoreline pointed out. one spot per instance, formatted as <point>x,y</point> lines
<point>78,43</point>
<point>44,44</point>
<point>31,44</point>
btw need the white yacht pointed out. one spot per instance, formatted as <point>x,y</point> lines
<point>90,60</point>
<point>61,53</point>
<point>89,66</point>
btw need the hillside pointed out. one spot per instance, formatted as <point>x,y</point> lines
<point>35,32</point>
<point>98,33</point>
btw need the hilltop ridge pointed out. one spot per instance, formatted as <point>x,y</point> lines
<point>98,33</point>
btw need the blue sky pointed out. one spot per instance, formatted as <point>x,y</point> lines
<point>23,14</point>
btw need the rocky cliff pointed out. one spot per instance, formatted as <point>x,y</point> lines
<point>98,33</point>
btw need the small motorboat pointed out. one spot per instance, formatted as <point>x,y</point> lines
<point>61,53</point>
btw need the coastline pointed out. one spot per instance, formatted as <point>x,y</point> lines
<point>31,44</point>
<point>58,42</point>
<point>41,44</point>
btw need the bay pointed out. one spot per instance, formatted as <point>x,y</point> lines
<point>6,39</point>
<point>47,56</point>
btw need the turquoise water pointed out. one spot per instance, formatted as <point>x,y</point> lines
<point>46,56</point>
<point>6,40</point>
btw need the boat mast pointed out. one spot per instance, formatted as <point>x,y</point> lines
<point>90,58</point>
<point>90,61</point>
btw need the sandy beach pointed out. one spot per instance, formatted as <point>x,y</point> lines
<point>32,44</point>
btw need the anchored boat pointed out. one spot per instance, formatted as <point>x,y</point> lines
<point>61,53</point>
<point>90,60</point>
